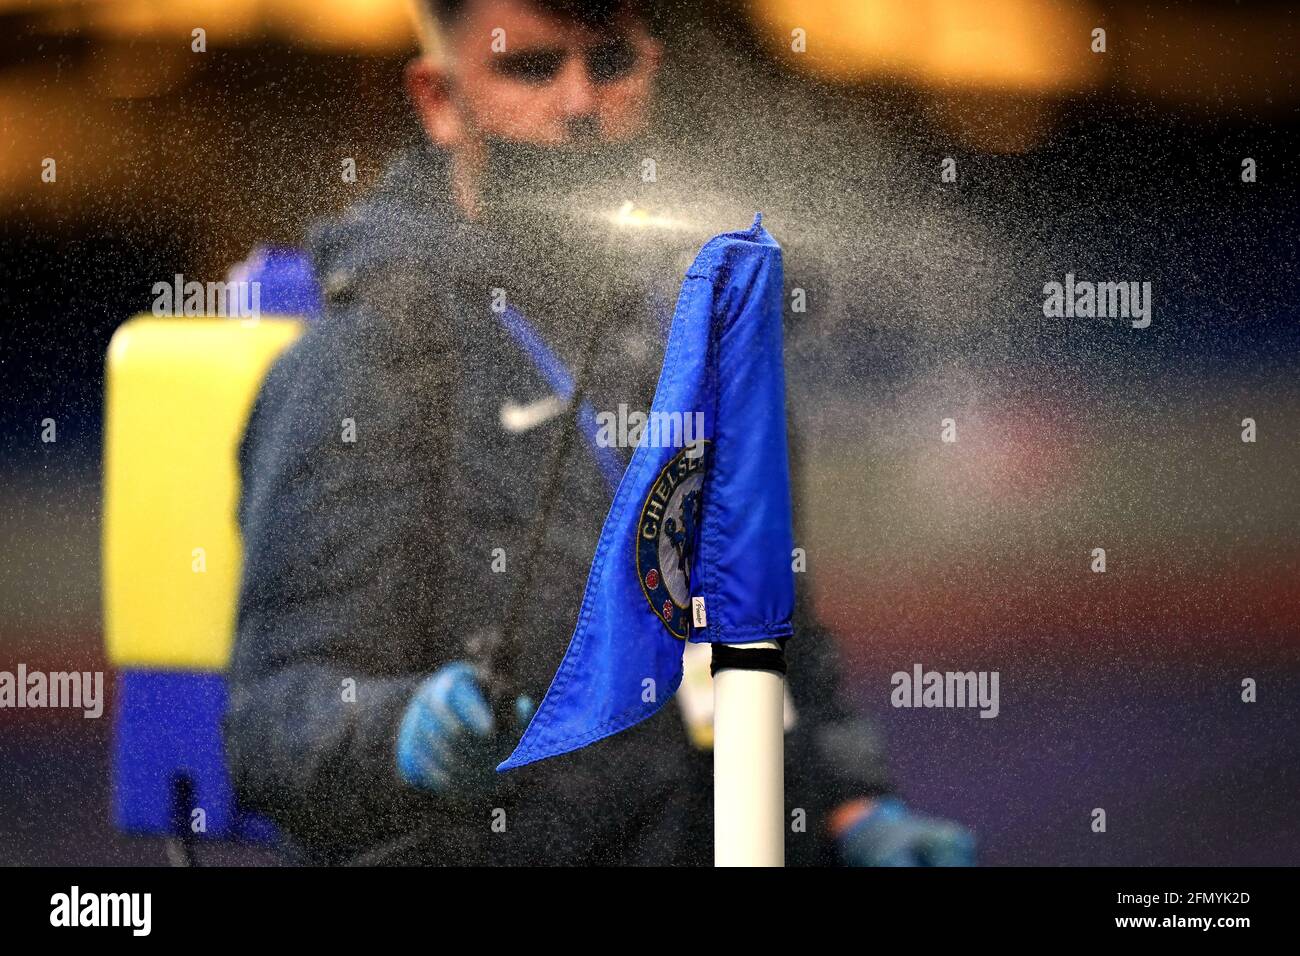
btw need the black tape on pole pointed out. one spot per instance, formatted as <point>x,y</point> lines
<point>730,657</point>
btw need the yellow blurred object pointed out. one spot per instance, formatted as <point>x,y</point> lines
<point>1013,45</point>
<point>179,392</point>
<point>368,26</point>
<point>376,26</point>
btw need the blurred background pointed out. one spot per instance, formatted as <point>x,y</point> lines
<point>1118,690</point>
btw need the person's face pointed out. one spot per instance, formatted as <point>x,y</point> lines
<point>519,73</point>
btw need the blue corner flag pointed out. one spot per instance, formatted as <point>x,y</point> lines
<point>698,541</point>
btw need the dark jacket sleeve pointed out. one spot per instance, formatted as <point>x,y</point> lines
<point>338,613</point>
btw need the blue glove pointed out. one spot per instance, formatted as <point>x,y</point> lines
<point>886,833</point>
<point>445,741</point>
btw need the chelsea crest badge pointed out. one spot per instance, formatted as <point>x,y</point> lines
<point>667,535</point>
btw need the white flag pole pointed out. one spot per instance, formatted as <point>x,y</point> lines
<point>748,756</point>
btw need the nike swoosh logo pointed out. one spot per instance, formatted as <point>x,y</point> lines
<point>517,419</point>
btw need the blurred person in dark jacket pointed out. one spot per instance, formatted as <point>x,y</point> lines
<point>416,490</point>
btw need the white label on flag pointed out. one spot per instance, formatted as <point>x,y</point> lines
<point>697,608</point>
